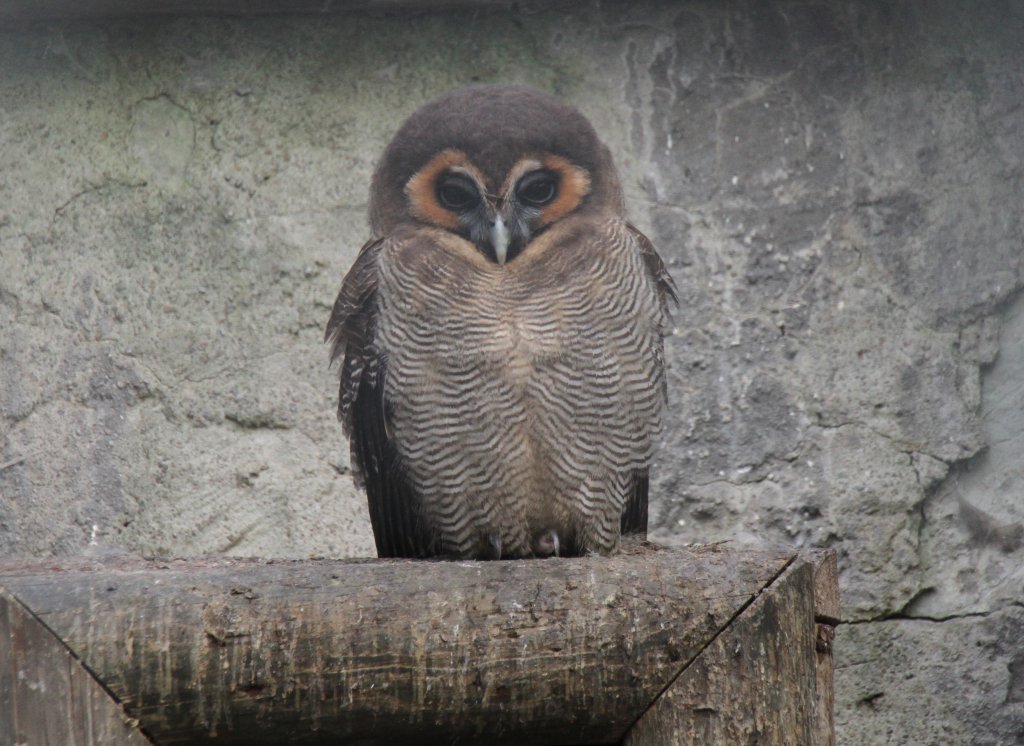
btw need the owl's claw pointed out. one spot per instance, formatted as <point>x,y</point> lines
<point>495,541</point>
<point>546,544</point>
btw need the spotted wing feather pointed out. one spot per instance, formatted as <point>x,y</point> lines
<point>362,409</point>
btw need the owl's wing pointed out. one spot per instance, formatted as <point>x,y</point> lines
<point>634,514</point>
<point>663,281</point>
<point>363,411</point>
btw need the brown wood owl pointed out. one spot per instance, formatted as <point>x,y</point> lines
<point>501,337</point>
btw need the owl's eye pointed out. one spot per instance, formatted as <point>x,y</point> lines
<point>457,192</point>
<point>537,189</point>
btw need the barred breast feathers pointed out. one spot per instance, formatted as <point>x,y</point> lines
<point>485,362</point>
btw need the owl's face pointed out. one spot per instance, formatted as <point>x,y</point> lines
<point>452,193</point>
<point>496,165</point>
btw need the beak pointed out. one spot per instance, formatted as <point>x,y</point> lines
<point>499,239</point>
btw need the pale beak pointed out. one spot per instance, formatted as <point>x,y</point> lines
<point>499,240</point>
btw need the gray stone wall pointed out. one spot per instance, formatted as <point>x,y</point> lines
<point>837,187</point>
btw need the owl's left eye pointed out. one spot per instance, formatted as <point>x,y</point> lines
<point>457,193</point>
<point>537,189</point>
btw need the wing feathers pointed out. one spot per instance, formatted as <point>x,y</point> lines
<point>394,504</point>
<point>663,281</point>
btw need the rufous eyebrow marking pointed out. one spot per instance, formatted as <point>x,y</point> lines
<point>421,189</point>
<point>573,187</point>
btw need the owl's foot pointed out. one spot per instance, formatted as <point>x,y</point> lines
<point>494,539</point>
<point>545,544</point>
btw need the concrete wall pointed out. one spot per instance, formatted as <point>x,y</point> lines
<point>837,186</point>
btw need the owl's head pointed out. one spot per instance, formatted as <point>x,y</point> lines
<point>497,165</point>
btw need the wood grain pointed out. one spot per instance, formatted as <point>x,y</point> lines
<point>47,698</point>
<point>373,652</point>
<point>755,683</point>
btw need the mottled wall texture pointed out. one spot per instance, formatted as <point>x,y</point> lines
<point>837,186</point>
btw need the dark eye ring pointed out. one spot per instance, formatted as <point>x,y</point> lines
<point>457,193</point>
<point>537,189</point>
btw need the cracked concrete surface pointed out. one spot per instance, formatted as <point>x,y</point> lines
<point>835,186</point>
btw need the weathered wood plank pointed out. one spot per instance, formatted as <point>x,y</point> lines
<point>544,651</point>
<point>826,585</point>
<point>46,697</point>
<point>825,670</point>
<point>755,683</point>
<point>826,614</point>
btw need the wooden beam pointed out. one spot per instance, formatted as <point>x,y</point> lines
<point>755,683</point>
<point>826,616</point>
<point>46,695</point>
<point>375,652</point>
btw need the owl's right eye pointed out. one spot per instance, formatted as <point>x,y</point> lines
<point>457,193</point>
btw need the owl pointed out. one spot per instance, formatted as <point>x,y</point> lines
<point>501,337</point>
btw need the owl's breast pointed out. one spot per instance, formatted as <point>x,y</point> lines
<point>444,310</point>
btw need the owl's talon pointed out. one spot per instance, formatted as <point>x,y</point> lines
<point>546,544</point>
<point>494,539</point>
